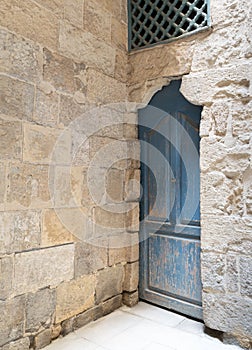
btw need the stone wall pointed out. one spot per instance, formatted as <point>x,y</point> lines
<point>61,61</point>
<point>215,67</point>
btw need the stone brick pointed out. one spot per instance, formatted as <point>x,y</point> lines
<point>121,62</point>
<point>28,186</point>
<point>123,247</point>
<point>150,64</point>
<point>124,11</point>
<point>45,145</point>
<point>20,17</point>
<point>11,319</point>
<point>213,272</point>
<point>85,47</point>
<point>59,71</point>
<point>114,185</point>
<point>112,304</point>
<point>19,230</point>
<point>70,110</point>
<point>54,231</point>
<point>132,218</point>
<point>42,339</point>
<point>21,344</point>
<point>119,34</point>
<point>229,313</point>
<point>102,89</point>
<point>130,299</point>
<point>20,58</point>
<point>74,297</point>
<point>39,310</point>
<point>97,21</point>
<point>67,326</point>
<point>109,283</point>
<point>73,12</point>
<point>245,268</point>
<point>46,108</point>
<point>90,258</point>
<point>131,278</point>
<point>54,265</point>
<point>112,7</point>
<point>2,184</point>
<point>88,316</point>
<point>56,330</point>
<point>6,275</point>
<point>132,185</point>
<point>10,139</point>
<point>56,6</point>
<point>108,220</point>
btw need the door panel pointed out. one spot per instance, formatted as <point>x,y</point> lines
<point>170,214</point>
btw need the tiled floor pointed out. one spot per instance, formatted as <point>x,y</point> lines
<point>144,327</point>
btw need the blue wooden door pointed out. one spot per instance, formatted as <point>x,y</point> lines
<point>170,210</point>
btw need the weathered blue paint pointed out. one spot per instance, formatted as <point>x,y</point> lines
<point>170,247</point>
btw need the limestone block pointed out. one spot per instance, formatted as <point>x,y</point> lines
<point>121,62</point>
<point>131,278</point>
<point>6,274</point>
<point>232,274</point>
<point>229,313</point>
<point>111,305</point>
<point>109,283</point>
<point>132,185</point>
<point>46,145</point>
<point>56,6</point>
<point>133,218</point>
<point>10,139</point>
<point>19,230</point>
<point>112,7</point>
<point>133,153</point>
<point>119,33</point>
<point>213,272</point>
<point>90,257</point>
<point>59,71</point>
<point>85,47</point>
<point>206,86</point>
<point>70,111</point>
<point>123,247</point>
<point>130,299</point>
<point>11,319</point>
<point>28,186</point>
<point>23,344</point>
<point>88,316</point>
<point>104,218</point>
<point>20,17</point>
<point>102,89</point>
<point>124,11</point>
<point>39,310</point>
<point>46,108</point>
<point>67,326</point>
<point>152,63</point>
<point>2,184</point>
<point>97,20</point>
<point>114,185</point>
<point>73,12</point>
<point>54,231</point>
<point>19,57</point>
<point>41,268</point>
<point>75,297</point>
<point>245,268</point>
<point>68,182</point>
<point>225,47</point>
<point>42,339</point>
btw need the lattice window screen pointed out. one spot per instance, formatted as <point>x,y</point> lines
<point>154,21</point>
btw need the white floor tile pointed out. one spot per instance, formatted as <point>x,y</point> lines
<point>156,346</point>
<point>156,314</point>
<point>72,343</point>
<point>191,326</point>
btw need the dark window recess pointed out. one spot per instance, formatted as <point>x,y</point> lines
<point>155,21</point>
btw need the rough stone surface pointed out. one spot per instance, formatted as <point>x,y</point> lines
<point>131,278</point>
<point>54,265</point>
<point>130,299</point>
<point>42,339</point>
<point>40,308</point>
<point>10,139</point>
<point>74,297</point>
<point>88,316</point>
<point>23,344</point>
<point>109,283</point>
<point>11,319</point>
<point>90,257</point>
<point>245,268</point>
<point>19,230</point>
<point>6,274</point>
<point>111,305</point>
